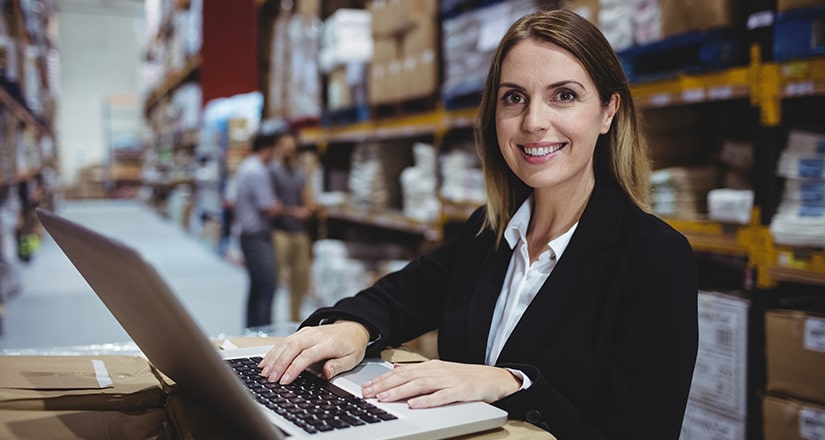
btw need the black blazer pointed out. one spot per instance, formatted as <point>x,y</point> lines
<point>609,341</point>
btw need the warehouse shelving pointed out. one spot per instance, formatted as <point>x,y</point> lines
<point>764,84</point>
<point>173,80</point>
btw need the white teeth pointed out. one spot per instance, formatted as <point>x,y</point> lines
<point>542,151</point>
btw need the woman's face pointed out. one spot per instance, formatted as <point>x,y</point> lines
<point>549,116</point>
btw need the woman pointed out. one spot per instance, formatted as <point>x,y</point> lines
<point>563,301</point>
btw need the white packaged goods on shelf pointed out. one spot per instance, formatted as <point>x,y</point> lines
<point>647,21</point>
<point>469,41</point>
<point>303,83</point>
<point>418,185</point>
<point>792,230</point>
<point>681,192</point>
<point>187,100</point>
<point>366,183</point>
<point>730,205</point>
<point>800,217</point>
<point>801,165</point>
<point>616,21</point>
<point>334,274</point>
<point>346,38</point>
<point>462,180</point>
<point>720,376</point>
<point>806,142</point>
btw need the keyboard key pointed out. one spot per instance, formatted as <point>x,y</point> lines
<point>310,403</point>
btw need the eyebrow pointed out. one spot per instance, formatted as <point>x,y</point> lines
<point>550,86</point>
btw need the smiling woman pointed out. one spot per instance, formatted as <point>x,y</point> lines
<point>563,300</point>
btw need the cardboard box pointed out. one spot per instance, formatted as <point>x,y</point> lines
<point>588,9</point>
<point>788,5</point>
<point>795,354</point>
<point>789,419</point>
<point>683,16</point>
<point>100,425</point>
<point>93,383</point>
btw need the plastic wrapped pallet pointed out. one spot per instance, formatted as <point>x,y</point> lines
<point>469,41</point>
<point>303,83</point>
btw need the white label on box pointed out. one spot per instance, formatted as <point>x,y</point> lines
<point>720,375</point>
<point>701,423</point>
<point>811,424</point>
<point>815,334</point>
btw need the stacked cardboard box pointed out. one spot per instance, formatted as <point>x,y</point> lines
<point>794,407</point>
<point>108,396</point>
<point>639,22</point>
<point>405,62</point>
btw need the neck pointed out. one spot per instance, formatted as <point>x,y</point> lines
<point>555,212</point>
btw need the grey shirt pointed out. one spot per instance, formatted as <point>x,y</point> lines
<point>254,196</point>
<point>288,184</point>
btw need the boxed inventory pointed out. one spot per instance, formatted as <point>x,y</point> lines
<point>114,425</point>
<point>790,419</point>
<point>97,383</point>
<point>795,354</point>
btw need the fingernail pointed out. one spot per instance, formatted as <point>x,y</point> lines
<point>265,371</point>
<point>285,378</point>
<point>367,390</point>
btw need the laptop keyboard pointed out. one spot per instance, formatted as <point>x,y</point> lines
<point>310,403</point>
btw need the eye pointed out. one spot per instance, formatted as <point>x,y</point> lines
<point>512,98</point>
<point>566,95</point>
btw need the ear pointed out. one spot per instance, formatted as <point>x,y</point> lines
<point>609,111</point>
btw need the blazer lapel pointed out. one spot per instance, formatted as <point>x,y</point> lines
<point>578,270</point>
<point>482,303</point>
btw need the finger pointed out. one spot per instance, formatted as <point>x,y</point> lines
<point>277,360</point>
<point>413,387</point>
<point>283,355</point>
<point>388,380</point>
<point>437,398</point>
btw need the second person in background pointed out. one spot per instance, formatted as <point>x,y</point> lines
<point>290,232</point>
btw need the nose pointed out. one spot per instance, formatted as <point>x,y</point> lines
<point>536,118</point>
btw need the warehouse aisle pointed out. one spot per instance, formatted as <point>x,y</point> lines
<point>56,308</point>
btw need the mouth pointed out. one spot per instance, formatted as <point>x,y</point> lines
<point>540,150</point>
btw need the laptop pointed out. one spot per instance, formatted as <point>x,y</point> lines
<point>157,322</point>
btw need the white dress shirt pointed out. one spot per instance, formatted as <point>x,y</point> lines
<point>522,281</point>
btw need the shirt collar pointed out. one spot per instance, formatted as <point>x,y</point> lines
<point>517,229</point>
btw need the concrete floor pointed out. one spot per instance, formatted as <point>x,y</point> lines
<point>57,310</point>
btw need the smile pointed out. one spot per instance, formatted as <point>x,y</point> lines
<point>542,150</point>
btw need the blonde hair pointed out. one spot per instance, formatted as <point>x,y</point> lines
<point>621,155</point>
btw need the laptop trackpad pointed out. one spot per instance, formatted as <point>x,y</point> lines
<point>365,372</point>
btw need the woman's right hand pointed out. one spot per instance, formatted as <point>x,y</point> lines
<point>342,345</point>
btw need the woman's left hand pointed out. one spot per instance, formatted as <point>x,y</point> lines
<point>436,383</point>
